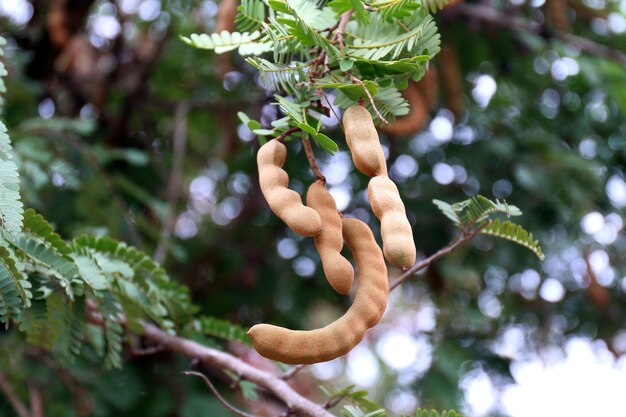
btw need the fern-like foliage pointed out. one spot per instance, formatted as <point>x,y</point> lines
<point>381,39</point>
<point>478,212</point>
<point>223,329</point>
<point>368,53</point>
<point>515,233</point>
<point>11,209</point>
<point>3,73</point>
<point>250,15</point>
<point>245,43</point>
<point>434,413</point>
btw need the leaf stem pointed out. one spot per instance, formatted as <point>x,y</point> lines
<point>358,81</point>
<point>306,143</point>
<point>454,243</point>
<point>215,392</point>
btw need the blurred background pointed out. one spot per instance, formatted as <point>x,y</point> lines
<point>122,129</point>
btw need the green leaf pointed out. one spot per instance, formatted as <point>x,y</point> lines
<point>448,211</point>
<point>223,329</point>
<point>346,64</point>
<point>307,129</point>
<point>11,209</point>
<point>250,15</point>
<point>326,143</point>
<point>515,233</point>
<point>245,43</point>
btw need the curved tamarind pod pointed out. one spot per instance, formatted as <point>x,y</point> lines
<point>339,337</point>
<point>429,86</point>
<point>395,229</point>
<point>415,119</point>
<point>452,80</point>
<point>362,139</point>
<point>329,242</point>
<point>285,203</point>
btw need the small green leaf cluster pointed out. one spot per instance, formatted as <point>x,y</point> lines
<point>369,57</point>
<point>479,211</point>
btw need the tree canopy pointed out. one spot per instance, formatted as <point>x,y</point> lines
<point>137,245</point>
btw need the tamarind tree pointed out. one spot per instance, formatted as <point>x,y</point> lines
<point>137,244</point>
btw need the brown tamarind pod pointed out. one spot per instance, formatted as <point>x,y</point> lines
<point>557,14</point>
<point>415,119</point>
<point>285,203</point>
<point>329,242</point>
<point>363,141</point>
<point>452,80</point>
<point>225,20</point>
<point>395,229</point>
<point>339,337</point>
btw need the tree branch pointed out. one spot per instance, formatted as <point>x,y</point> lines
<point>179,145</point>
<point>221,399</point>
<point>490,14</point>
<point>306,143</point>
<point>456,242</point>
<point>15,401</point>
<point>358,81</point>
<point>218,359</point>
<point>292,372</point>
<point>341,28</point>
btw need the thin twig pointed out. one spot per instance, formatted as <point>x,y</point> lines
<point>36,400</point>
<point>221,399</point>
<point>456,242</point>
<point>179,145</point>
<point>341,28</point>
<point>286,133</point>
<point>152,350</point>
<point>492,15</point>
<point>15,401</point>
<point>356,80</point>
<point>292,372</point>
<point>332,402</point>
<point>294,401</point>
<point>306,143</point>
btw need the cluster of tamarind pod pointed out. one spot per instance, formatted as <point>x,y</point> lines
<point>320,219</point>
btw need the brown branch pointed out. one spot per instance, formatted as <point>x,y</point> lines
<point>341,28</point>
<point>356,80</point>
<point>292,372</point>
<point>306,143</point>
<point>286,133</point>
<point>15,401</point>
<point>456,242</point>
<point>222,360</point>
<point>496,17</point>
<point>179,145</point>
<point>221,399</point>
<point>36,400</point>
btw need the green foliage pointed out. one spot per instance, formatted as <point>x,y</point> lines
<point>515,233</point>
<point>223,329</point>
<point>3,73</point>
<point>245,43</point>
<point>433,413</point>
<point>11,209</point>
<point>478,212</point>
<point>381,47</point>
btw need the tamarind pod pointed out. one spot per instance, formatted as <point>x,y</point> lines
<point>225,20</point>
<point>395,229</point>
<point>452,80</point>
<point>329,242</point>
<point>339,337</point>
<point>557,14</point>
<point>428,85</point>
<point>285,203</point>
<point>415,119</point>
<point>362,139</point>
